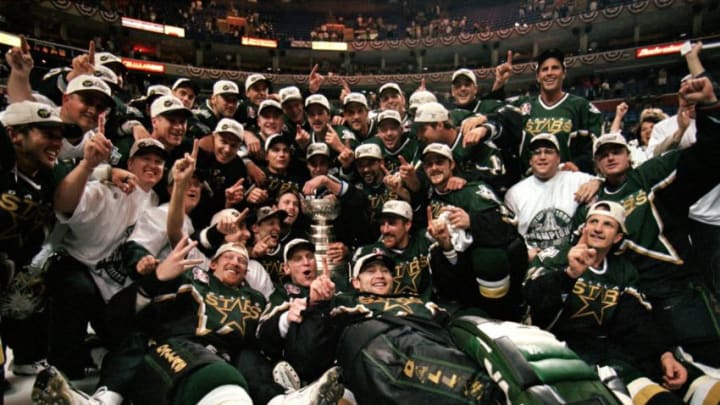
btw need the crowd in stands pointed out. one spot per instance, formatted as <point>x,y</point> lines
<point>183,231</point>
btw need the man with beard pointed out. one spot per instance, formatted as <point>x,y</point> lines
<point>572,119</point>
<point>491,267</point>
<point>88,269</point>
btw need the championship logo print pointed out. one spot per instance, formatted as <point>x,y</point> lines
<point>168,103</point>
<point>550,227</point>
<point>43,113</point>
<point>88,83</point>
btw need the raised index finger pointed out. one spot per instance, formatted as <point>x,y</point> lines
<point>509,57</point>
<point>314,70</point>
<point>196,147</point>
<point>345,86</point>
<point>24,45</point>
<point>91,52</point>
<point>429,216</point>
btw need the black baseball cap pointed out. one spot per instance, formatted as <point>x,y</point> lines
<point>549,54</point>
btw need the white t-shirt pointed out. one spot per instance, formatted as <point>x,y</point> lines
<point>544,209</point>
<point>102,221</point>
<point>707,208</point>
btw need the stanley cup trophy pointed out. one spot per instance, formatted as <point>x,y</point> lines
<point>322,212</point>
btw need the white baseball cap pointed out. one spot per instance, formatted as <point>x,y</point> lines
<point>275,138</point>
<point>614,138</point>
<point>440,149</point>
<point>465,72</point>
<point>225,87</point>
<point>168,104</point>
<point>296,244</point>
<point>389,115</point>
<point>375,254</point>
<point>84,83</point>
<point>368,150</point>
<point>269,103</point>
<point>431,112</point>
<point>106,74</point>
<point>397,208</point>
<point>390,86</point>
<point>317,148</point>
<point>254,78</point>
<point>317,99</point>
<point>355,98</point>
<point>421,97</point>
<point>290,93</point>
<point>158,90</point>
<point>545,137</point>
<point>230,126</point>
<point>231,247</point>
<point>185,82</point>
<point>146,145</point>
<point>609,209</point>
<point>30,112</point>
<point>106,58</point>
<point>267,211</point>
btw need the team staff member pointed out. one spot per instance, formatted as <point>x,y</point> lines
<point>572,119</point>
<point>545,202</point>
<point>88,269</point>
<point>656,197</point>
<point>591,302</point>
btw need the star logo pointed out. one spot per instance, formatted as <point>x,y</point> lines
<point>590,305</point>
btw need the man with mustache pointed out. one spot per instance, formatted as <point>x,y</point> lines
<point>266,247</point>
<point>356,114</point>
<point>492,257</point>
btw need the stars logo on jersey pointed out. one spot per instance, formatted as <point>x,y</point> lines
<point>596,299</point>
<point>593,109</point>
<point>486,193</point>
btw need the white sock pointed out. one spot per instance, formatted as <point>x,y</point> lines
<point>226,395</point>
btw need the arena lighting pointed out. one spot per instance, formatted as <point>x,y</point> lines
<point>329,46</point>
<point>142,25</point>
<point>263,43</point>
<point>153,27</point>
<point>174,31</point>
<point>10,39</point>
<point>658,50</point>
<point>143,65</point>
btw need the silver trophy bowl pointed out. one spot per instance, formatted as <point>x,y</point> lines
<point>322,212</point>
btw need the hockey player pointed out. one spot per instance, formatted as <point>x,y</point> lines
<point>656,196</point>
<point>572,119</point>
<point>591,301</point>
